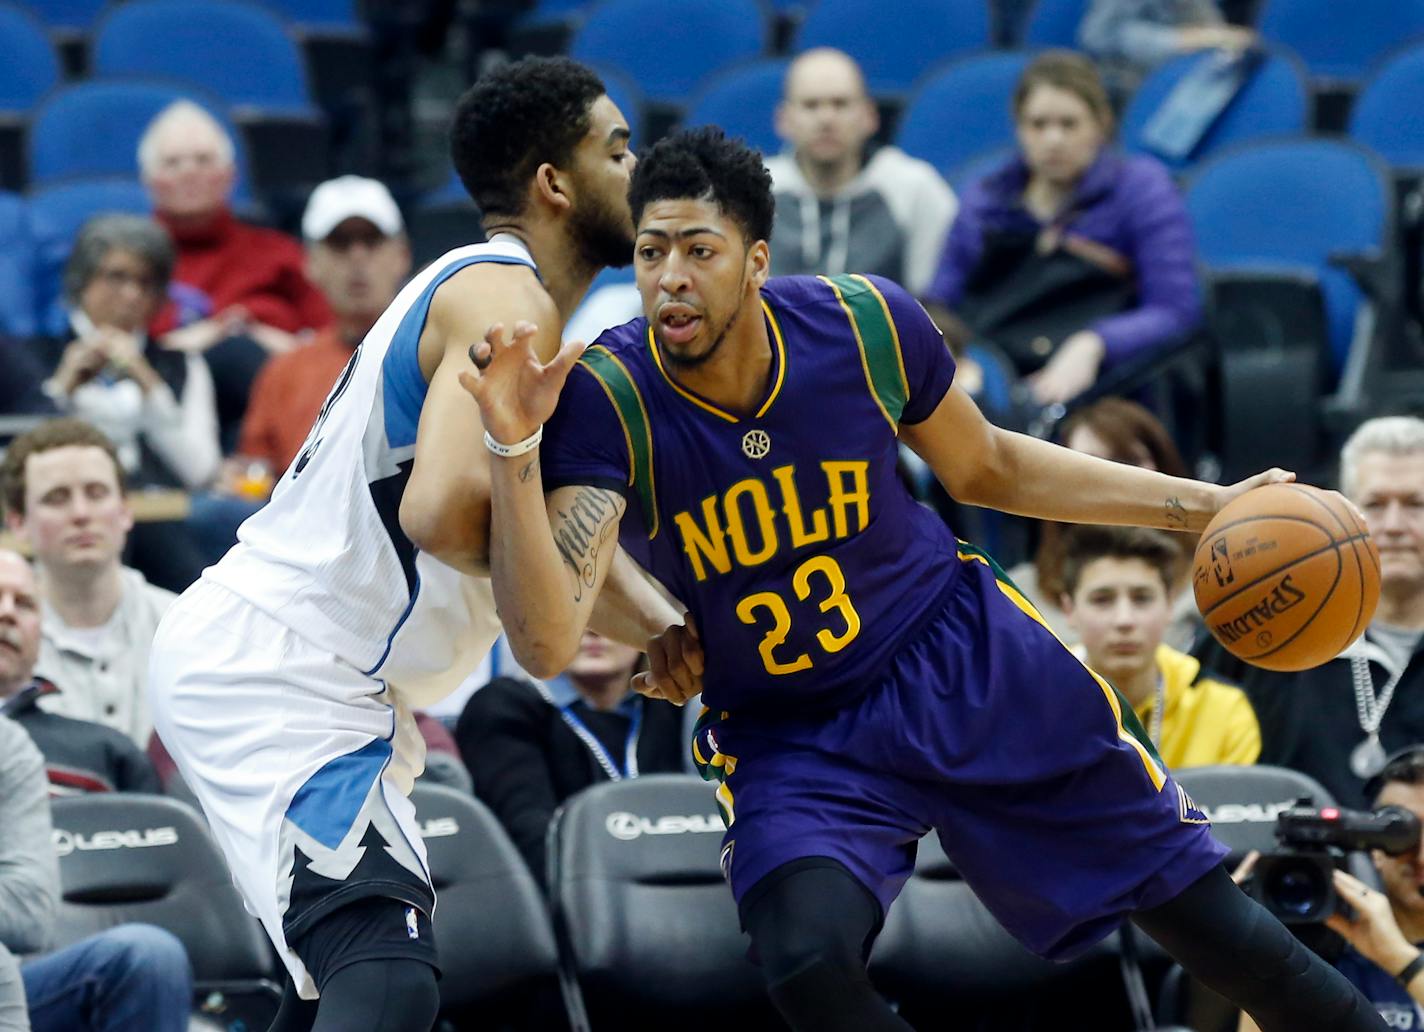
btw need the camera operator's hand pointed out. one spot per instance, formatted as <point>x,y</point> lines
<point>1373,930</point>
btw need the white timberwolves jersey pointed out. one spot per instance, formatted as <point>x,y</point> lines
<point>327,556</point>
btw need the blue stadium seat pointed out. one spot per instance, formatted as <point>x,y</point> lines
<point>71,16</point>
<point>241,52</point>
<point>322,15</point>
<point>56,214</point>
<point>93,129</point>
<point>896,44</point>
<point>743,100</point>
<point>1340,40</point>
<point>962,109</point>
<point>1388,115</point>
<point>1293,205</point>
<point>1054,23</point>
<point>670,48</point>
<point>979,166</point>
<point>1276,101</point>
<point>628,95</point>
<point>17,268</point>
<point>30,68</point>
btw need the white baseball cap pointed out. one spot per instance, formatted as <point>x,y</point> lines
<point>336,200</point>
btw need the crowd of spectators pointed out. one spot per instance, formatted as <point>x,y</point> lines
<point>200,346</point>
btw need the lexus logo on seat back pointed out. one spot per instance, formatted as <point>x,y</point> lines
<point>66,842</point>
<point>629,826</point>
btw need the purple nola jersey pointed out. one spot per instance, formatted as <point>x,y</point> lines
<point>787,532</point>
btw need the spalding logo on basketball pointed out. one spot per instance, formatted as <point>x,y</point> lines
<point>1286,577</point>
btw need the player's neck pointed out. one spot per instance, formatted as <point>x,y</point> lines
<point>735,377</point>
<point>1401,606</point>
<point>565,272</point>
<point>82,597</point>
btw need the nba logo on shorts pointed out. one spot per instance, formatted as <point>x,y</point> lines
<point>412,927</point>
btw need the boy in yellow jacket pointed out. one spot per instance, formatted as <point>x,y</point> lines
<point>1118,598</point>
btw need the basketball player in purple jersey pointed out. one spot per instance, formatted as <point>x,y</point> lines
<point>869,677</point>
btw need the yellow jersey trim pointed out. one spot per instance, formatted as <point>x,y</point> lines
<point>1154,771</point>
<point>860,347</point>
<point>779,343</point>
<point>780,359</point>
<point>647,434</point>
<point>627,436</point>
<point>894,332</point>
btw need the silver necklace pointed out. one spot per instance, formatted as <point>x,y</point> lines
<point>1368,758</point>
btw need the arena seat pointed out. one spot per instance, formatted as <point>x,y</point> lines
<point>683,43</point>
<point>17,268</point>
<point>139,858</point>
<point>647,928</point>
<point>1274,102</point>
<point>1388,114</point>
<point>1340,41</point>
<point>962,109</point>
<point>1054,23</point>
<point>1242,803</point>
<point>942,952</point>
<point>895,51</point>
<point>57,212</point>
<point>93,129</point>
<point>29,71</point>
<point>742,100</point>
<point>1302,205</point>
<point>500,965</point>
<point>216,45</point>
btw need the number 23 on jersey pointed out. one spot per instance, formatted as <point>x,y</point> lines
<point>822,575</point>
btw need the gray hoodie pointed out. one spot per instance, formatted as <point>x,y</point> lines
<point>29,872</point>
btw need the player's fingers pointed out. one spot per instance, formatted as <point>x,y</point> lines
<point>564,361</point>
<point>481,354</point>
<point>646,686</point>
<point>471,383</point>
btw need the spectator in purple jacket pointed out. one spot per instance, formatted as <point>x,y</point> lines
<point>1070,257</point>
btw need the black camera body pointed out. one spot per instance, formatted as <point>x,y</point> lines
<point>1296,881</point>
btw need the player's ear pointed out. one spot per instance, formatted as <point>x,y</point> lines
<point>759,257</point>
<point>551,185</point>
<point>1065,603</point>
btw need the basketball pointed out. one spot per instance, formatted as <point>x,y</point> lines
<point>1286,577</point>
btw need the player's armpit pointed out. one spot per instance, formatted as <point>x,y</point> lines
<point>445,509</point>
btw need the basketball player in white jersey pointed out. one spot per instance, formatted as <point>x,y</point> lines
<point>282,681</point>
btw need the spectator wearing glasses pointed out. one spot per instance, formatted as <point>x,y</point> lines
<point>157,406</point>
<point>1338,721</point>
<point>1385,933</point>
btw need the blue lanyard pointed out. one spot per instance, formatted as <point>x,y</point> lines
<point>629,769</point>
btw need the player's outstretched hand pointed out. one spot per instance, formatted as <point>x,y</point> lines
<point>1275,475</point>
<point>674,665</point>
<point>516,392</point>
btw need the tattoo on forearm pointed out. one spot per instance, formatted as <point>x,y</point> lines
<point>528,471</point>
<point>1176,512</point>
<point>582,530</point>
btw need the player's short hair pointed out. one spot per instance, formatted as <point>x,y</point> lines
<point>1387,435</point>
<point>1086,544</point>
<point>49,435</point>
<point>1071,72</point>
<point>516,118</point>
<point>705,164</point>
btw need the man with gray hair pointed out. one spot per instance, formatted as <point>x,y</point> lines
<point>1340,721</point>
<point>240,293</point>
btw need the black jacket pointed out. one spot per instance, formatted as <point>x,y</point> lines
<point>526,758</point>
<point>80,756</point>
<point>1308,719</point>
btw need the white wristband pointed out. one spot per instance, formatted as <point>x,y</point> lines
<point>509,451</point>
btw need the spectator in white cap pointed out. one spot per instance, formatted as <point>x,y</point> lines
<point>358,256</point>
